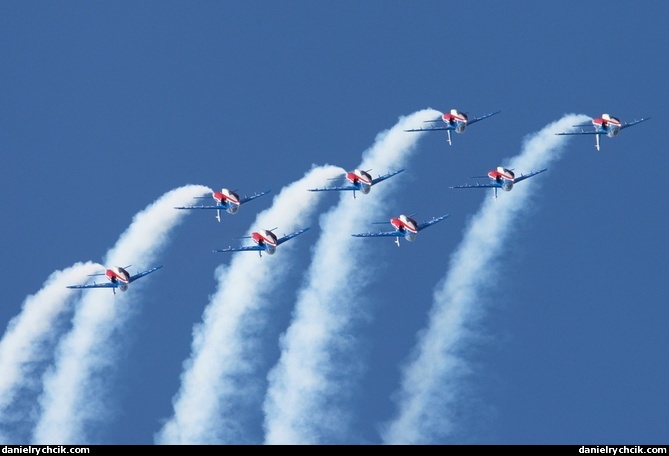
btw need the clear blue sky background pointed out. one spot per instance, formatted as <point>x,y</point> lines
<point>105,106</point>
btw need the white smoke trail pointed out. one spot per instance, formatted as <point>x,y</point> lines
<point>310,380</point>
<point>29,336</point>
<point>430,381</point>
<point>217,381</point>
<point>73,389</point>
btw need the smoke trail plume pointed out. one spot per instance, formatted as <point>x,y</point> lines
<point>430,381</point>
<point>73,394</point>
<point>217,383</point>
<point>310,381</point>
<point>28,338</point>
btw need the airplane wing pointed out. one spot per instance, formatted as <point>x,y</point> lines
<point>221,207</point>
<point>332,189</point>
<point>582,132</point>
<point>476,119</point>
<point>240,249</point>
<point>436,120</point>
<point>143,273</point>
<point>393,233</point>
<point>478,185</point>
<point>246,199</point>
<point>433,127</point>
<point>290,236</point>
<point>525,176</point>
<point>431,222</point>
<point>386,176</point>
<point>634,122</point>
<point>95,285</point>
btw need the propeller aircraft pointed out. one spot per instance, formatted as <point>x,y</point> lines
<point>118,276</point>
<point>226,200</point>
<point>405,226</point>
<point>605,125</point>
<point>454,121</point>
<point>265,241</point>
<point>500,177</point>
<point>360,180</point>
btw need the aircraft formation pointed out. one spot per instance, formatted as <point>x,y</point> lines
<point>358,180</point>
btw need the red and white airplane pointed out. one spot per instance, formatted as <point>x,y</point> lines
<point>405,226</point>
<point>226,200</point>
<point>265,241</point>
<point>360,180</point>
<point>118,276</point>
<point>454,121</point>
<point>605,125</point>
<point>500,177</point>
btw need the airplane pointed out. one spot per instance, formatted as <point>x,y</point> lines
<point>455,121</point>
<point>360,180</point>
<point>226,200</point>
<point>119,277</point>
<point>265,240</point>
<point>605,125</point>
<point>501,177</point>
<point>405,226</point>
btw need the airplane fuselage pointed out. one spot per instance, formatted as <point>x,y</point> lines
<point>503,177</point>
<point>457,120</point>
<point>608,125</point>
<point>228,200</point>
<point>119,276</point>
<point>265,239</point>
<point>405,226</point>
<point>361,179</point>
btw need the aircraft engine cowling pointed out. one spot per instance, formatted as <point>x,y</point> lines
<point>365,189</point>
<point>611,133</point>
<point>270,249</point>
<point>232,209</point>
<point>410,237</point>
<point>461,128</point>
<point>123,286</point>
<point>507,186</point>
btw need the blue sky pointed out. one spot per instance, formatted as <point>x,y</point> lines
<point>113,110</point>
